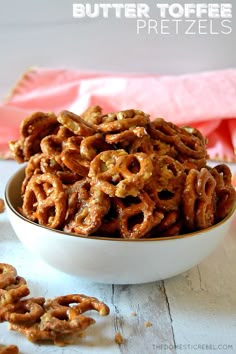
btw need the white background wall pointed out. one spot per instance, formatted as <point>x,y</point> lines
<point>44,33</point>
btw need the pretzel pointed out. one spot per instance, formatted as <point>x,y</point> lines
<point>120,121</point>
<point>161,148</point>
<point>195,132</point>
<point>143,144</point>
<point>9,349</point>
<point>75,123</point>
<point>24,312</point>
<point>135,215</point>
<point>166,186</point>
<point>92,115</point>
<point>45,200</point>
<point>191,163</point>
<point>64,133</point>
<point>52,146</point>
<point>88,205</point>
<point>7,275</point>
<point>32,130</point>
<point>126,137</point>
<point>16,148</point>
<point>225,192</point>
<point>33,167</point>
<point>170,225</point>
<point>38,122</point>
<point>92,146</point>
<point>110,223</point>
<point>120,174</point>
<point>190,146</point>
<point>35,334</point>
<point>73,160</point>
<point>73,142</point>
<point>199,199</point>
<point>31,145</point>
<point>186,143</point>
<point>14,291</point>
<point>79,302</point>
<point>159,129</point>
<point>50,165</point>
<point>2,205</point>
<point>63,319</point>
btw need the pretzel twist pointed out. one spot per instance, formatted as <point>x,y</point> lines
<point>135,215</point>
<point>170,225</point>
<point>12,286</point>
<point>14,291</point>
<point>32,130</point>
<point>7,275</point>
<point>92,115</point>
<point>120,121</point>
<point>88,205</point>
<point>166,186</point>
<point>199,199</point>
<point>45,200</point>
<point>225,192</point>
<point>120,174</point>
<point>92,146</point>
<point>75,123</point>
<point>26,312</point>
<point>186,143</point>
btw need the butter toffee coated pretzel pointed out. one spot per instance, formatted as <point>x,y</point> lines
<point>119,174</point>
<point>59,320</point>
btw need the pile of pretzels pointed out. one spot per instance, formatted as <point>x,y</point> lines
<point>60,320</point>
<point>119,174</point>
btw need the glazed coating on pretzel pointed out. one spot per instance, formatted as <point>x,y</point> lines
<point>83,168</point>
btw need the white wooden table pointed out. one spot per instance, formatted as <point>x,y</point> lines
<point>194,312</point>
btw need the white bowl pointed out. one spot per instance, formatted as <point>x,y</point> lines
<point>109,260</point>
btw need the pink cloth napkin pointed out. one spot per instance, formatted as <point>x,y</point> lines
<point>205,100</point>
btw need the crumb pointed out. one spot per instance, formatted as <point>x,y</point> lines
<point>118,338</point>
<point>147,324</point>
<point>2,205</point>
<point>133,314</point>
